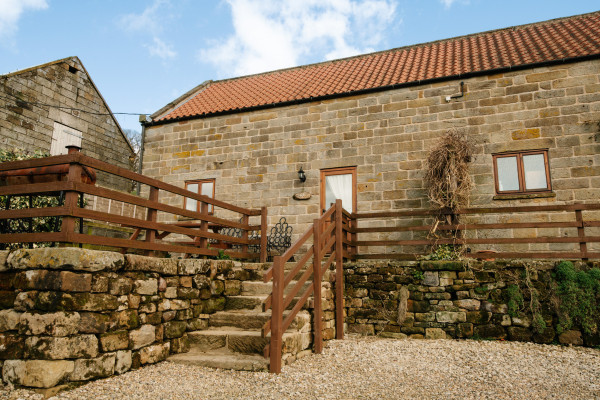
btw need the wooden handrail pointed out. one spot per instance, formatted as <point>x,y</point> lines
<point>323,240</point>
<point>71,184</point>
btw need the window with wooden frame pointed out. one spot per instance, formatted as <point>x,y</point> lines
<point>338,183</point>
<point>201,186</point>
<point>522,172</point>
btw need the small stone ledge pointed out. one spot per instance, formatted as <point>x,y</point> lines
<point>524,196</point>
<point>64,258</point>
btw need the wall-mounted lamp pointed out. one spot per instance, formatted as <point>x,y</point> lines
<point>301,175</point>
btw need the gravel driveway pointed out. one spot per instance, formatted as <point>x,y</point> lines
<point>374,368</point>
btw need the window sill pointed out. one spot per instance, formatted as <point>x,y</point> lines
<point>525,196</point>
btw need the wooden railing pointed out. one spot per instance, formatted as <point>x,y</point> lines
<point>560,226</point>
<point>73,187</point>
<point>327,235</point>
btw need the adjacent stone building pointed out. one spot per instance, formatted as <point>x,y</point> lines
<point>361,128</point>
<point>49,106</point>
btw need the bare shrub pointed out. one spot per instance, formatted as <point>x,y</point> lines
<point>448,181</point>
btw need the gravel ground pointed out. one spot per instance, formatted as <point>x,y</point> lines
<point>373,368</point>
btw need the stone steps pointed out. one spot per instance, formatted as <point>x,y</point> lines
<point>223,360</point>
<point>233,338</point>
<point>254,288</point>
<point>253,320</point>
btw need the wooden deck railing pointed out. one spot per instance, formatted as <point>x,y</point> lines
<point>327,235</point>
<point>564,227</point>
<point>155,225</point>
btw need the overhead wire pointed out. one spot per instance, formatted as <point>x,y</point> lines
<point>63,107</point>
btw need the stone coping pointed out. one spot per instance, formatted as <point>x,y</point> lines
<point>77,259</point>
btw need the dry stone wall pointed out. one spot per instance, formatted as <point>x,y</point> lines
<point>71,315</point>
<point>446,299</point>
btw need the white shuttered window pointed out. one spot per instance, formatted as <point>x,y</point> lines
<point>62,137</point>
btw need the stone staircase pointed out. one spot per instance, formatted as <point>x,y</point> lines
<point>233,338</point>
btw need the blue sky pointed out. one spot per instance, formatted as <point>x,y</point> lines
<point>144,54</point>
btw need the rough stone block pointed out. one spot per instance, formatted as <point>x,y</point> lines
<point>450,317</point>
<point>73,282</point>
<point>519,334</point>
<point>571,337</point>
<point>163,266</point>
<point>468,304</point>
<point>490,332</point>
<point>155,353</point>
<point>122,362</point>
<point>51,324</point>
<point>120,286</point>
<point>174,329</point>
<point>3,257</point>
<point>141,337</point>
<point>127,319</point>
<point>9,320</point>
<point>11,346</point>
<point>431,278</point>
<point>180,345</point>
<point>193,266</point>
<point>69,258</point>
<point>435,333</point>
<point>7,298</point>
<point>59,348</point>
<point>36,373</point>
<point>93,322</point>
<point>94,368</point>
<point>465,330</point>
<point>114,341</point>
<point>81,302</point>
<point>478,317</point>
<point>145,286</point>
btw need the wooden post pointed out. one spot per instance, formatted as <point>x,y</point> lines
<point>276,317</point>
<point>318,309</point>
<point>353,223</point>
<point>581,234</point>
<point>203,243</point>
<point>151,216</point>
<point>263,234</point>
<point>339,272</point>
<point>245,221</point>
<point>71,199</point>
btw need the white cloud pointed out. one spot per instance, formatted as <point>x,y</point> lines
<point>10,12</point>
<point>160,49</point>
<point>149,23</point>
<point>448,3</point>
<point>273,34</point>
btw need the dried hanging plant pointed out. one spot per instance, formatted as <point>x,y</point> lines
<point>448,180</point>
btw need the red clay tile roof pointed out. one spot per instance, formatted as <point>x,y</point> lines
<point>554,40</point>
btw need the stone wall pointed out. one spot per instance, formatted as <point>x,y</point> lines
<point>444,299</point>
<point>254,156</point>
<point>66,84</point>
<point>71,315</point>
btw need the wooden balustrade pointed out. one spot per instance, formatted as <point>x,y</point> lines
<point>155,226</point>
<point>326,234</point>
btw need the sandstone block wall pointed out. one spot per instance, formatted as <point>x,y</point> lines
<point>71,315</point>
<point>255,156</point>
<point>27,126</point>
<point>445,299</point>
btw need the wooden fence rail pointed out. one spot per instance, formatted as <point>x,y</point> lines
<point>155,225</point>
<point>554,219</point>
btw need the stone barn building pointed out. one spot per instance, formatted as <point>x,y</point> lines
<point>361,128</point>
<point>56,104</point>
